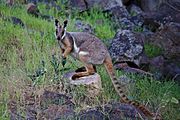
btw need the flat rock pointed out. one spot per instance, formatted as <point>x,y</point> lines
<point>92,82</point>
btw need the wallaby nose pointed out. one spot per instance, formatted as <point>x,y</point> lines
<point>58,38</point>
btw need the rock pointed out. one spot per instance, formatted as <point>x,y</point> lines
<point>149,5</point>
<point>134,10</point>
<point>158,62</point>
<point>13,110</point>
<point>32,1</point>
<point>41,104</point>
<point>42,1</point>
<point>10,2</point>
<point>155,5</point>
<point>32,9</point>
<point>93,114</point>
<point>172,70</point>
<point>57,112</point>
<point>156,66</point>
<point>55,106</point>
<point>126,24</point>
<point>162,68</point>
<point>126,45</point>
<point>138,21</point>
<point>136,15</point>
<point>49,97</point>
<point>166,13</point>
<point>117,13</point>
<point>114,7</point>
<point>83,5</point>
<point>128,69</point>
<point>17,21</point>
<point>119,111</point>
<point>92,82</point>
<point>82,27</point>
<point>112,111</point>
<point>168,39</point>
<point>125,2</point>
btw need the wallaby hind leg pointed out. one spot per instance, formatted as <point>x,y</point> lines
<point>83,69</point>
<point>89,71</point>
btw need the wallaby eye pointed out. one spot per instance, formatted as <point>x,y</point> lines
<point>56,31</point>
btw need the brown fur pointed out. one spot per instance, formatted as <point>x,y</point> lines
<point>91,51</point>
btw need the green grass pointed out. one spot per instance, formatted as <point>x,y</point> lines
<point>152,50</point>
<point>22,51</point>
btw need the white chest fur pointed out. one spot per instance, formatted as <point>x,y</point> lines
<point>76,49</point>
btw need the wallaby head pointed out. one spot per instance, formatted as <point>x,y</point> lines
<point>60,30</point>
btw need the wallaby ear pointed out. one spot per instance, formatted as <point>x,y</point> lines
<point>65,23</point>
<point>56,22</point>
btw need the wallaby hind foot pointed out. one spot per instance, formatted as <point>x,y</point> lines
<point>88,71</point>
<point>83,69</point>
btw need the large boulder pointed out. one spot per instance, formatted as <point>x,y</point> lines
<point>126,45</point>
<point>83,5</point>
<point>112,111</point>
<point>154,5</point>
<point>119,14</point>
<point>149,5</point>
<point>167,12</point>
<point>41,105</point>
<point>168,40</point>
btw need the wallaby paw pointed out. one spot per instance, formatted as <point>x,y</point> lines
<point>82,69</point>
<point>75,77</point>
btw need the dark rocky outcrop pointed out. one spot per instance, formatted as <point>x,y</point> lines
<point>167,12</point>
<point>114,7</point>
<point>50,105</point>
<point>46,105</point>
<point>83,5</point>
<point>112,111</point>
<point>126,45</point>
<point>17,21</point>
<point>154,5</point>
<point>83,27</point>
<point>33,9</point>
<point>167,39</point>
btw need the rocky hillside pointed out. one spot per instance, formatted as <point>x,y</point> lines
<point>142,36</point>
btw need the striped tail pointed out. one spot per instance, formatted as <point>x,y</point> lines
<point>117,85</point>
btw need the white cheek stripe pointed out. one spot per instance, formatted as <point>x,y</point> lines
<point>64,34</point>
<point>76,49</point>
<point>83,53</point>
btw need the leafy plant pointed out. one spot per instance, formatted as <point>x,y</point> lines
<point>38,74</point>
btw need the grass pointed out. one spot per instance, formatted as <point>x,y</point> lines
<point>23,49</point>
<point>152,50</point>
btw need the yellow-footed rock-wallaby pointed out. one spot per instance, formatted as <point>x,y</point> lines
<point>90,51</point>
